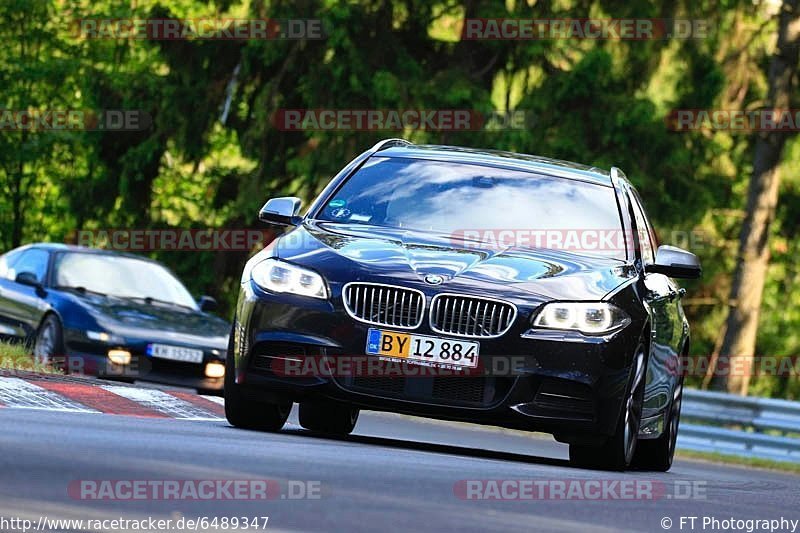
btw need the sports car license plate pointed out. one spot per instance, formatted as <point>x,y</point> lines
<point>175,353</point>
<point>432,350</point>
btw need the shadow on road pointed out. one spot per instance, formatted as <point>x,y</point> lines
<point>431,447</point>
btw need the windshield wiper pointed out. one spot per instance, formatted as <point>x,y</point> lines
<point>80,289</point>
<point>149,300</point>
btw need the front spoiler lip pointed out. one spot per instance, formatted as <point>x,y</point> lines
<point>259,387</point>
<point>97,364</point>
<point>177,380</point>
<point>500,404</point>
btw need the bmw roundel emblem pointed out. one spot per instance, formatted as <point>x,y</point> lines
<point>434,279</point>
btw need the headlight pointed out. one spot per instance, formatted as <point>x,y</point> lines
<point>590,318</point>
<point>279,276</point>
<point>102,336</point>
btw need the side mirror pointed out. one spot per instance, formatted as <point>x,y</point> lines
<point>675,263</point>
<point>28,278</point>
<point>281,211</point>
<point>207,304</point>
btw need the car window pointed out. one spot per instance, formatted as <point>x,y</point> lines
<point>7,262</point>
<point>34,261</point>
<point>121,276</point>
<point>643,229</point>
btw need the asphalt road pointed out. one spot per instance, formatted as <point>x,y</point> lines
<point>395,474</point>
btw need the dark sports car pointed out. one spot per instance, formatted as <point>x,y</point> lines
<point>110,314</point>
<point>480,286</point>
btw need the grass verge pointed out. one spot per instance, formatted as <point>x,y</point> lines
<point>17,358</point>
<point>722,458</point>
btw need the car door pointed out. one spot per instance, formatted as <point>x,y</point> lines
<point>22,306</point>
<point>661,296</point>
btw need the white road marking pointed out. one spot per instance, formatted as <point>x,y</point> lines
<point>162,402</point>
<point>21,394</point>
<point>216,399</point>
<point>18,393</point>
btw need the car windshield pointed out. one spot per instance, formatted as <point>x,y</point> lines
<point>474,203</point>
<point>120,276</point>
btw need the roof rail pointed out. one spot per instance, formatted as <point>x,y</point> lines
<point>388,143</point>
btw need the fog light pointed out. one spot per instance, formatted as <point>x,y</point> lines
<point>119,357</point>
<point>215,370</point>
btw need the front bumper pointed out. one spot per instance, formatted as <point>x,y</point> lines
<point>91,358</point>
<point>566,384</point>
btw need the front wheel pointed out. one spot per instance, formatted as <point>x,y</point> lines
<point>247,413</point>
<point>617,452</point>
<point>657,454</point>
<point>49,340</point>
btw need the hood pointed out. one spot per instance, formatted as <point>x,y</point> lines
<point>156,322</point>
<point>374,252</point>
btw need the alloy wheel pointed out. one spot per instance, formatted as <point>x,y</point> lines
<point>45,343</point>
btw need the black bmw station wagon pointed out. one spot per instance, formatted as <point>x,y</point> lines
<point>471,285</point>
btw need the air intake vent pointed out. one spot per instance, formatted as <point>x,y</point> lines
<point>384,305</point>
<point>471,316</point>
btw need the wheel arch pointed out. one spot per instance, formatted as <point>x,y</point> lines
<point>50,312</point>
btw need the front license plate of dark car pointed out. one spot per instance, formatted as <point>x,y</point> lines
<point>175,353</point>
<point>424,348</point>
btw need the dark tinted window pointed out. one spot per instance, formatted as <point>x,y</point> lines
<point>34,261</point>
<point>533,210</point>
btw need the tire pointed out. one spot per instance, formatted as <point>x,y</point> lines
<point>330,418</point>
<point>618,451</point>
<point>657,454</point>
<point>49,340</point>
<point>247,413</point>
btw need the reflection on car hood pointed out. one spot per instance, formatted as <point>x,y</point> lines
<point>158,322</point>
<point>402,254</point>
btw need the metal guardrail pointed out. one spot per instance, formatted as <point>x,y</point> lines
<point>740,425</point>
